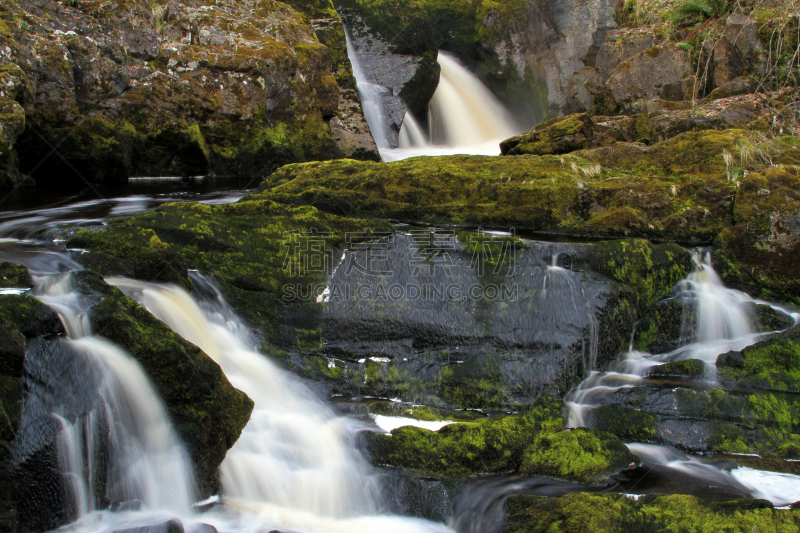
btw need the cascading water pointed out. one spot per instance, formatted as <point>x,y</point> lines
<point>146,463</point>
<point>720,324</point>
<point>464,117</point>
<point>371,96</point>
<point>293,465</point>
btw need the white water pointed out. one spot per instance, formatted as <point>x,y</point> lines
<point>780,489</point>
<point>388,423</point>
<point>464,118</point>
<point>371,98</point>
<point>720,325</point>
<point>293,466</point>
<point>146,460</point>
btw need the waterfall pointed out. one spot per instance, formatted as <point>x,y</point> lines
<point>464,117</point>
<point>293,465</point>
<point>463,112</point>
<point>146,461</point>
<point>371,96</point>
<point>720,325</point>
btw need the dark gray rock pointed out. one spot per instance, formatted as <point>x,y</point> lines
<point>170,526</point>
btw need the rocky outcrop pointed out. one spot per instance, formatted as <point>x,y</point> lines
<point>531,444</point>
<point>102,92</point>
<point>357,333</point>
<point>207,411</point>
<point>633,65</point>
<point>659,72</point>
<point>618,513</point>
<point>394,44</point>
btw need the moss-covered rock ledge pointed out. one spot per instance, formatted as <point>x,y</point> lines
<point>615,513</point>
<point>534,443</point>
<point>734,188</point>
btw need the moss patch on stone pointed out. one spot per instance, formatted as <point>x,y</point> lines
<point>532,443</point>
<point>770,364</point>
<point>615,513</point>
<point>13,275</point>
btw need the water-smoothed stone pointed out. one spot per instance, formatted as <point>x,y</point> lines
<point>713,419</point>
<point>685,368</point>
<point>170,526</point>
<point>627,424</point>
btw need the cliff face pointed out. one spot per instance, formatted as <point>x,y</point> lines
<point>525,51</point>
<point>99,91</point>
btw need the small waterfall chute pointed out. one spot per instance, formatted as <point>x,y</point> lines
<point>720,324</point>
<point>144,457</point>
<point>294,464</point>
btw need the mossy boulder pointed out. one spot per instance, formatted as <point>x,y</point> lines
<point>685,368</point>
<point>244,247</point>
<point>769,364</point>
<point>617,513</point>
<point>132,252</point>
<point>757,254</point>
<point>627,424</point>
<point>680,189</point>
<point>31,317</point>
<point>14,276</point>
<point>208,413</point>
<point>664,327</point>
<point>765,318</point>
<point>534,443</point>
<point>584,455</point>
<point>141,89</point>
<point>556,136</point>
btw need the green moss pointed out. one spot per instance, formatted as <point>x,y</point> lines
<point>131,251</point>
<point>772,364</point>
<point>532,443</point>
<point>581,454</point>
<point>14,276</point>
<point>615,513</point>
<point>627,424</point>
<point>244,246</point>
<point>31,317</point>
<point>420,412</point>
<point>673,191</point>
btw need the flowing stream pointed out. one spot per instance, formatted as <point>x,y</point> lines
<point>720,324</point>
<point>296,467</point>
